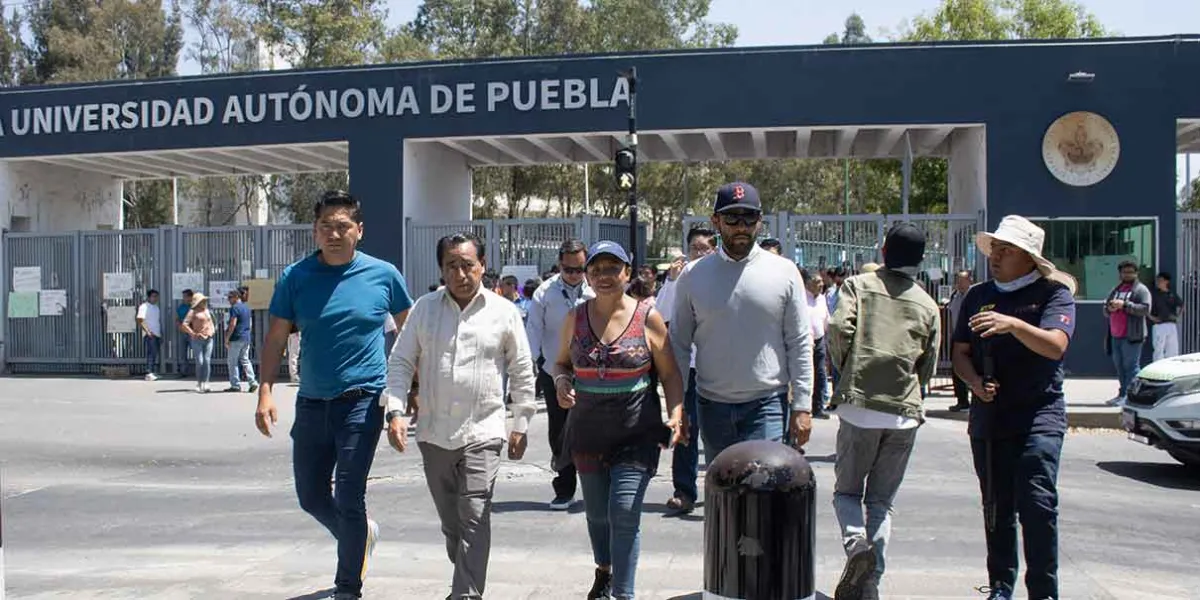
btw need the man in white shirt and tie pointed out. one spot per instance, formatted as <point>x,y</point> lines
<point>461,340</point>
<point>548,310</point>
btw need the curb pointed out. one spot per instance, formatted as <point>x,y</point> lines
<point>1075,419</point>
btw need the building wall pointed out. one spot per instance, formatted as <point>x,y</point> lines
<point>41,197</point>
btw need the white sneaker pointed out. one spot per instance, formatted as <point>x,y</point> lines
<point>1118,401</point>
<point>199,388</point>
<point>151,377</point>
<point>372,539</point>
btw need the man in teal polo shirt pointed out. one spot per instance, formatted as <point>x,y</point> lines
<point>340,298</point>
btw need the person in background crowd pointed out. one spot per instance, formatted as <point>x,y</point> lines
<point>509,289</point>
<point>1166,307</point>
<point>461,438</point>
<point>293,354</point>
<point>548,310</point>
<point>615,431</point>
<point>745,311</point>
<point>433,287</point>
<point>818,317</point>
<point>962,283</point>
<point>237,344</point>
<point>183,363</point>
<point>685,459</point>
<point>1009,347</point>
<point>884,337</point>
<point>199,326</point>
<point>771,245</point>
<point>836,276</point>
<point>641,289</point>
<point>149,322</point>
<point>1126,309</point>
<point>338,297</point>
<point>491,282</point>
<point>531,286</point>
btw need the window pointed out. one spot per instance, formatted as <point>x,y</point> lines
<point>1090,249</point>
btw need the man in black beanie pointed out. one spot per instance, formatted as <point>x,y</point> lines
<point>883,339</point>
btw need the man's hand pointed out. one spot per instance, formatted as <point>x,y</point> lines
<point>414,406</point>
<point>398,433</point>
<point>516,445</point>
<point>676,268</point>
<point>226,344</point>
<point>1116,305</point>
<point>990,323</point>
<point>265,416</point>
<point>800,428</point>
<point>986,391</point>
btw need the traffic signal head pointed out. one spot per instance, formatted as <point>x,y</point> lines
<point>626,168</point>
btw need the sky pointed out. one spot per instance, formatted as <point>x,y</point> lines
<point>787,22</point>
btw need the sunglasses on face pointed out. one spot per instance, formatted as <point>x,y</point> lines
<point>741,219</point>
<point>572,270</point>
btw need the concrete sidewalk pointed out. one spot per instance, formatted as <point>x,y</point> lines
<point>1086,408</point>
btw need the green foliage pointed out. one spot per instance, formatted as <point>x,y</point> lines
<point>1005,20</point>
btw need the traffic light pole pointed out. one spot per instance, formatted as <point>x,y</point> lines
<point>631,76</point>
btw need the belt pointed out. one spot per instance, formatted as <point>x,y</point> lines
<point>354,394</point>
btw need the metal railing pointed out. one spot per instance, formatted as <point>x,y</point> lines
<point>1187,281</point>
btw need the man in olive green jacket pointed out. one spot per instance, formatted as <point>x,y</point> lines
<point>883,339</point>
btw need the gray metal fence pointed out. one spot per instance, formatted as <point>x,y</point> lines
<point>70,296</point>
<point>507,242</point>
<point>1187,281</point>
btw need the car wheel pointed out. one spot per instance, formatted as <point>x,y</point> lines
<point>1190,460</point>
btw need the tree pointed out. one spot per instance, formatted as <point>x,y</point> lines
<point>855,32</point>
<point>225,40</point>
<point>13,64</point>
<point>1005,20</point>
<point>321,33</point>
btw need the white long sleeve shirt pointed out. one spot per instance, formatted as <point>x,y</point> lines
<point>548,310</point>
<point>666,305</point>
<point>461,356</point>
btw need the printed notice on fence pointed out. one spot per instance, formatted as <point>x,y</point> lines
<point>118,286</point>
<point>27,279</point>
<point>52,303</point>
<point>22,305</point>
<point>121,319</point>
<point>217,293</point>
<point>186,281</point>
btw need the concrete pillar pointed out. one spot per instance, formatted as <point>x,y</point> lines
<point>375,166</point>
<point>44,197</point>
<point>968,171</point>
<point>437,183</point>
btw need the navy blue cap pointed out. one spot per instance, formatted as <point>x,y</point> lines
<point>612,249</point>
<point>737,195</point>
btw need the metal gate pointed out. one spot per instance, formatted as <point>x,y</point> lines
<point>1187,281</point>
<point>91,328</point>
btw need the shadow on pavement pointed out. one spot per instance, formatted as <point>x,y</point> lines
<point>816,458</point>
<point>510,506</point>
<point>1176,477</point>
<point>700,595</point>
<point>321,595</point>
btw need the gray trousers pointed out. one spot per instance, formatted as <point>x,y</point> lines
<point>461,483</point>
<point>870,466</point>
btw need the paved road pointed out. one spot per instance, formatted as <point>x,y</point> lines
<point>128,489</point>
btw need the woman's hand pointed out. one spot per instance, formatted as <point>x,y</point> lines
<point>565,389</point>
<point>679,433</point>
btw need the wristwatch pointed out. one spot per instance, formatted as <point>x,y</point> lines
<point>393,414</point>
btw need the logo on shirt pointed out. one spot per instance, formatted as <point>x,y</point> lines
<point>1064,319</point>
<point>987,307</point>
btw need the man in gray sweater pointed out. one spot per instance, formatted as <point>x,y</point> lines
<point>745,310</point>
<point>1126,309</point>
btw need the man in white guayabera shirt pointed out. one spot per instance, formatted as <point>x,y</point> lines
<point>745,310</point>
<point>884,340</point>
<point>462,339</point>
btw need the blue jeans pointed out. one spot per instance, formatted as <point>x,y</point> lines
<point>613,502</point>
<point>723,425</point>
<point>181,361</point>
<point>151,343</point>
<point>1025,478</point>
<point>820,395</point>
<point>685,460</point>
<point>337,439</point>
<point>239,355</point>
<point>1127,357</point>
<point>203,350</point>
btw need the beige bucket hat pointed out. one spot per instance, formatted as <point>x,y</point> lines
<point>1027,236</point>
<point>197,298</point>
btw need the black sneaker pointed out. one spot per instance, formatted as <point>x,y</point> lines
<point>562,502</point>
<point>997,592</point>
<point>602,587</point>
<point>960,407</point>
<point>860,566</point>
<point>253,388</point>
<point>234,388</point>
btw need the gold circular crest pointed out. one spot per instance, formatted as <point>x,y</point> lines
<point>1081,148</point>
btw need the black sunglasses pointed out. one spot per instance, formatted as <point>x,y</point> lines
<point>573,270</point>
<point>743,219</point>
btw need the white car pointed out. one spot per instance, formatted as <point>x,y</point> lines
<point>1163,408</point>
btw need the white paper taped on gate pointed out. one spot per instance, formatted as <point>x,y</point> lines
<point>118,286</point>
<point>186,281</point>
<point>26,279</point>
<point>217,291</point>
<point>121,319</point>
<point>523,273</point>
<point>52,303</point>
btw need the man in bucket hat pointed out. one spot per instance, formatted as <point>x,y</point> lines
<point>1009,345</point>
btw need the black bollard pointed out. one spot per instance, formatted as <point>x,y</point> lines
<point>759,524</point>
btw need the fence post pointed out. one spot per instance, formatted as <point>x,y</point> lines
<point>75,298</point>
<point>5,269</point>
